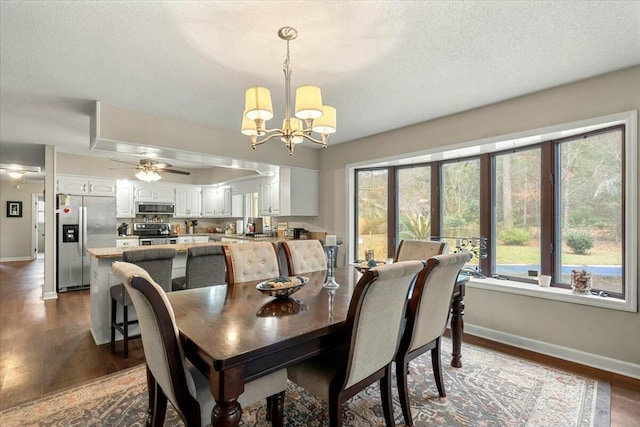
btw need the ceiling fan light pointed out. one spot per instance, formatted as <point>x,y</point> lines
<point>327,123</point>
<point>15,174</point>
<point>148,176</point>
<point>257,103</point>
<point>308,102</point>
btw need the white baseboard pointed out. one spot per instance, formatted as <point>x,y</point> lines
<point>49,295</point>
<point>17,258</point>
<point>561,352</point>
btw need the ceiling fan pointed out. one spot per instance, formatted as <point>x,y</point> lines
<point>149,170</point>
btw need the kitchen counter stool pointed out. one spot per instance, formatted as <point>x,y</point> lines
<point>158,263</point>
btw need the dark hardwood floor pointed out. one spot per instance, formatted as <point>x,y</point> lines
<point>46,346</point>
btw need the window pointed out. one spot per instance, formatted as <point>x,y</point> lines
<point>372,213</point>
<point>414,203</point>
<point>589,209</point>
<point>546,203</point>
<point>517,213</point>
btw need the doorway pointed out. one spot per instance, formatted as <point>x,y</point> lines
<point>37,226</point>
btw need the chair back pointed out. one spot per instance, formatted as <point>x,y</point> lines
<point>375,317</point>
<point>247,262</point>
<point>205,266</point>
<point>419,249</point>
<point>158,263</point>
<point>430,303</point>
<point>162,348</point>
<point>304,256</point>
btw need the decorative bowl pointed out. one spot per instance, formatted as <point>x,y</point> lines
<point>282,287</point>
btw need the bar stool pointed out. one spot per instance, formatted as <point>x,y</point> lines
<point>158,263</point>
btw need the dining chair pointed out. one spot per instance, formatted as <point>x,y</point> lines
<point>169,374</point>
<point>205,267</point>
<point>419,249</point>
<point>371,336</point>
<point>304,256</point>
<point>427,316</point>
<point>246,262</point>
<point>159,263</point>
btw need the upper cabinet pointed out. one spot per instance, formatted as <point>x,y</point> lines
<point>269,197</point>
<point>125,205</point>
<point>154,193</point>
<point>298,192</point>
<point>82,185</point>
<point>216,201</point>
<point>188,202</point>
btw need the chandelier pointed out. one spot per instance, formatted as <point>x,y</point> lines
<point>310,114</point>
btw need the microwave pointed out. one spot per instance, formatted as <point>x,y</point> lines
<point>155,208</point>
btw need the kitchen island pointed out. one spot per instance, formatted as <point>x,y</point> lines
<point>102,280</point>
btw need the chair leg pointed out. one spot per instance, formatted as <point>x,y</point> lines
<point>275,409</point>
<point>402,371</point>
<point>335,411</point>
<point>437,369</point>
<point>125,328</point>
<point>157,400</point>
<point>385,394</point>
<point>114,307</point>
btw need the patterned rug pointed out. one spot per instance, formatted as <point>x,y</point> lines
<point>491,389</point>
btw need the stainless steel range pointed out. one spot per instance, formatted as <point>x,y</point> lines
<point>154,233</point>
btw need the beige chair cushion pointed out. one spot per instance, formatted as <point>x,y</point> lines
<point>156,357</point>
<point>376,336</point>
<point>420,249</point>
<point>435,303</point>
<point>306,256</point>
<point>252,261</point>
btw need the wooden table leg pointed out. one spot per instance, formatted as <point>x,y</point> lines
<point>457,327</point>
<point>226,386</point>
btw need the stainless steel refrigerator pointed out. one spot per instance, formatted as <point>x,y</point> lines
<point>84,222</point>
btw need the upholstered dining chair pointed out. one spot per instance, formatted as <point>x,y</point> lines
<point>372,331</point>
<point>205,267</point>
<point>171,376</point>
<point>159,263</point>
<point>419,249</point>
<point>427,316</point>
<point>304,256</point>
<point>246,262</point>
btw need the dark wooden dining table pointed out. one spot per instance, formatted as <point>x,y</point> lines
<point>234,334</point>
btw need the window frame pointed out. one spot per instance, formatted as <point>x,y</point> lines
<point>545,137</point>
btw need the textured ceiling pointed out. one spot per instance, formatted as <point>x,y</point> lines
<point>382,64</point>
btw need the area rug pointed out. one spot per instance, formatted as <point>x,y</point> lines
<point>491,389</point>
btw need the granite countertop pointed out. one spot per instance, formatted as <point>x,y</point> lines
<point>117,252</point>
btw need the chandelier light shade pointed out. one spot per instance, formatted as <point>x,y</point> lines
<point>310,114</point>
<point>148,175</point>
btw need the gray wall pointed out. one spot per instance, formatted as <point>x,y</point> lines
<point>15,242</point>
<point>607,333</point>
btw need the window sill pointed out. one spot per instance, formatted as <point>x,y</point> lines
<point>555,294</point>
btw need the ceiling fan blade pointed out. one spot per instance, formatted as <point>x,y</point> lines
<point>112,169</point>
<point>175,171</point>
<point>127,163</point>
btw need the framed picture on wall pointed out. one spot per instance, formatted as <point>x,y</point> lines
<point>14,209</point>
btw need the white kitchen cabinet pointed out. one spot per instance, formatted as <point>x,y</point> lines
<point>298,192</point>
<point>83,185</point>
<point>125,205</point>
<point>193,239</point>
<point>185,239</point>
<point>269,197</point>
<point>154,193</point>
<point>127,243</point>
<point>188,202</point>
<point>216,202</point>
